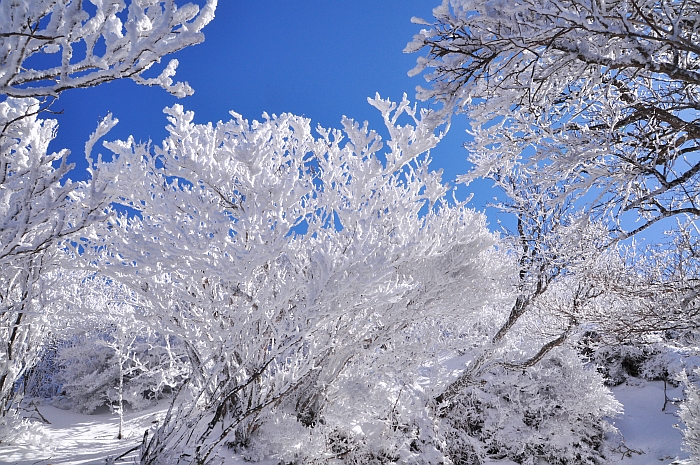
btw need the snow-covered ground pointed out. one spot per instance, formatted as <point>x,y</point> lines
<point>650,436</point>
<point>76,439</point>
<point>72,438</point>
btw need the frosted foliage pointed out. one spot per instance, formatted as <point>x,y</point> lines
<point>15,430</point>
<point>105,354</point>
<point>369,415</point>
<point>88,370</point>
<point>283,260</point>
<point>37,211</point>
<point>690,416</point>
<point>589,96</point>
<point>48,46</point>
<point>549,412</point>
<point>35,207</point>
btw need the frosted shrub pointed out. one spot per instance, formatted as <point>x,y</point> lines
<point>88,370</point>
<point>16,430</point>
<point>619,362</point>
<point>287,258</point>
<point>39,381</point>
<point>394,434</point>
<point>367,417</point>
<point>552,411</point>
<point>663,360</point>
<point>690,416</point>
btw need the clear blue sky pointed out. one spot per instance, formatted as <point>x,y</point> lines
<point>316,58</point>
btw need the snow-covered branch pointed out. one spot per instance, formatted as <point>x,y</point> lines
<point>285,258</point>
<point>602,98</point>
<point>47,47</point>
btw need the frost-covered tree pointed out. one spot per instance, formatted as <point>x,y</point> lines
<point>601,97</point>
<point>289,262</point>
<point>319,282</point>
<point>597,100</point>
<point>38,210</point>
<point>559,256</point>
<point>585,114</point>
<point>40,43</point>
<point>510,391</point>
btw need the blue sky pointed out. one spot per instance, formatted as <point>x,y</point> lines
<point>316,58</point>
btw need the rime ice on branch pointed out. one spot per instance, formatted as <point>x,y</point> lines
<point>289,261</point>
<point>119,40</point>
<point>38,208</point>
<point>592,97</point>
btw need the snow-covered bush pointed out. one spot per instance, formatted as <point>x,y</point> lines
<point>690,416</point>
<point>86,373</point>
<point>15,429</point>
<point>655,357</point>
<point>552,411</point>
<point>283,260</point>
<point>97,367</point>
<point>368,415</point>
<point>103,353</point>
<point>38,382</point>
<point>618,362</point>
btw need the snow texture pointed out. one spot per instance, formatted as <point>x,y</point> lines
<point>78,439</point>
